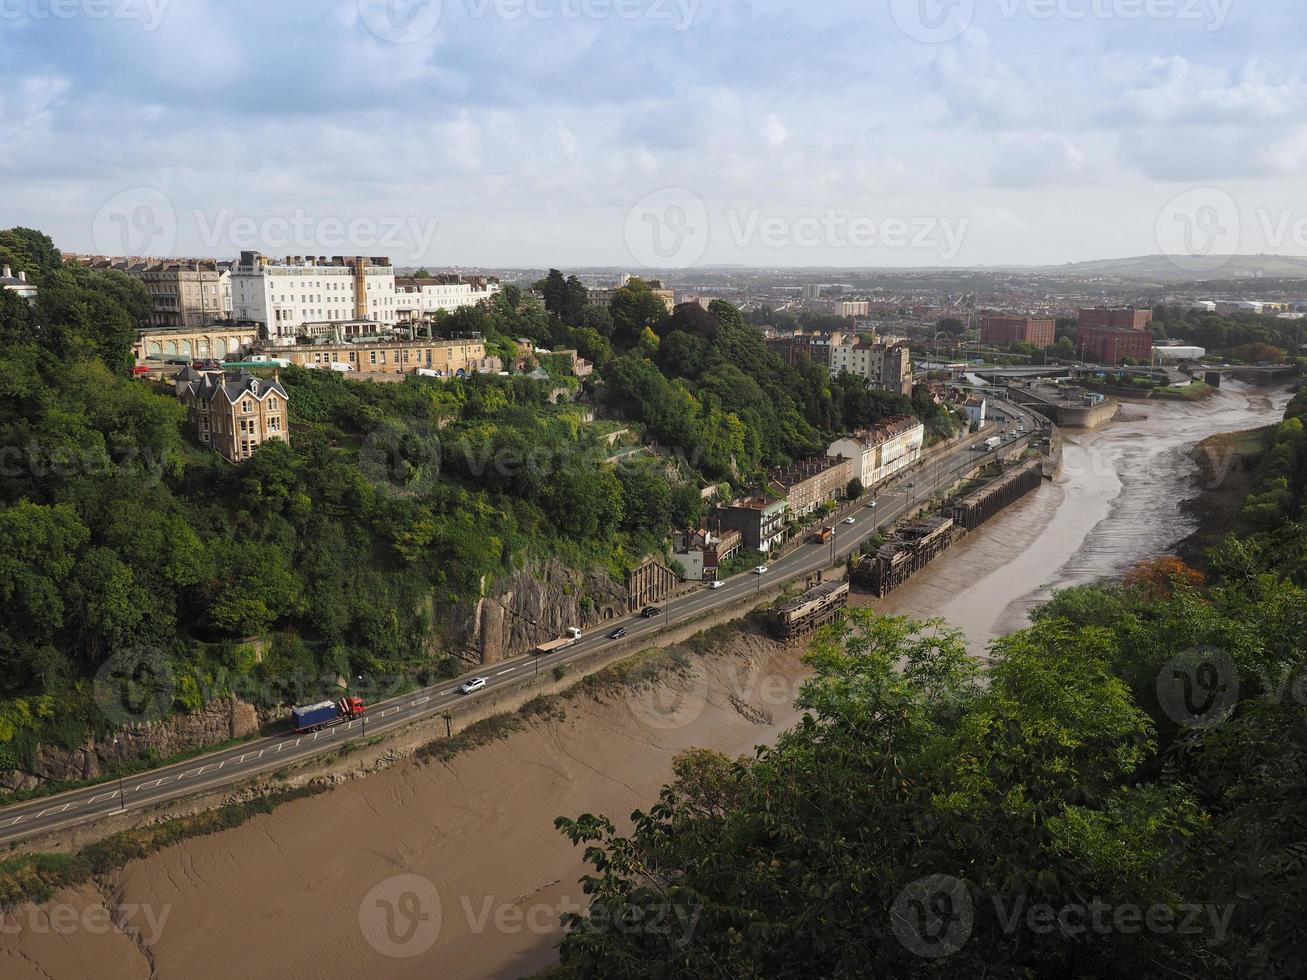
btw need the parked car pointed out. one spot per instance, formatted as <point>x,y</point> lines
<point>760,570</point>
<point>716,585</point>
<point>472,686</point>
<point>649,612</point>
<point>618,633</point>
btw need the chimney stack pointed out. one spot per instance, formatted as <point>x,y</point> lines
<point>22,275</point>
<point>8,273</point>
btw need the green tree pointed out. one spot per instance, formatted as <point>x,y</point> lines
<point>635,309</point>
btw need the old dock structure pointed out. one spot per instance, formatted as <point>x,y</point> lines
<point>813,609</point>
<point>910,550</point>
<point>975,509</point>
<point>914,546</point>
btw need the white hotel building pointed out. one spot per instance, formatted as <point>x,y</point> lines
<point>284,295</point>
<point>420,299</point>
<point>881,452</point>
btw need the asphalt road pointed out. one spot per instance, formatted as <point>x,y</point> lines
<point>54,813</point>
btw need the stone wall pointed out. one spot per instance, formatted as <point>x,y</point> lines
<point>218,722</point>
<point>532,606</point>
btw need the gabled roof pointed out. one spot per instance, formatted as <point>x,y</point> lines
<point>213,384</point>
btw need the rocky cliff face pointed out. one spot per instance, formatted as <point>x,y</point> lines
<point>531,607</point>
<point>218,722</point>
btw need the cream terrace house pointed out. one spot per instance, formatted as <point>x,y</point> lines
<point>234,417</point>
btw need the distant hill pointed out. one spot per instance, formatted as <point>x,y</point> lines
<point>1172,269</point>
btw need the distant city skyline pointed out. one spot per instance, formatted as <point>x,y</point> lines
<point>650,134</point>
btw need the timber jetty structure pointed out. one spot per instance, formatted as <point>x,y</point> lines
<point>812,610</point>
<point>914,546</point>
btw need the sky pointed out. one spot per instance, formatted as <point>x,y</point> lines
<point>650,134</point>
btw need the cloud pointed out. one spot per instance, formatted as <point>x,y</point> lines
<point>529,137</point>
<point>1037,159</point>
<point>774,132</point>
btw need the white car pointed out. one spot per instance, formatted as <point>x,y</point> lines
<point>716,585</point>
<point>849,520</point>
<point>760,570</point>
<point>472,686</point>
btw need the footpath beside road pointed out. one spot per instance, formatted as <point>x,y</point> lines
<point>509,683</point>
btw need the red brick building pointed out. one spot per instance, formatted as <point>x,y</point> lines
<point>1114,336</point>
<point>1106,346</point>
<point>1123,319</point>
<point>1003,330</point>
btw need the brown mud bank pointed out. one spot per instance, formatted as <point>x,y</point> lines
<point>426,869</point>
<point>1223,482</point>
<point>1120,497</point>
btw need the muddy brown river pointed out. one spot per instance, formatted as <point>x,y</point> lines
<point>1117,502</point>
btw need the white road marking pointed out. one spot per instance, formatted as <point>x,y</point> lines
<point>708,602</point>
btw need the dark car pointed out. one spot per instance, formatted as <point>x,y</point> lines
<point>650,612</point>
<point>618,633</point>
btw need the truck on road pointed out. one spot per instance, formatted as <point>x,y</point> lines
<point>992,443</point>
<point>572,638</point>
<point>823,536</point>
<point>318,716</point>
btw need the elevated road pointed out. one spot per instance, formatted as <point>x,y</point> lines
<point>262,755</point>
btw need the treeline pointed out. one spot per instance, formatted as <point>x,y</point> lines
<point>1117,791</point>
<point>703,382</point>
<point>118,533</point>
<point>1218,332</point>
<point>339,554</point>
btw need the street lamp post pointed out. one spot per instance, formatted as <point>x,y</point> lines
<point>122,793</point>
<point>535,657</point>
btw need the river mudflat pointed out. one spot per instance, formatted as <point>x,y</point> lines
<point>456,870</point>
<point>1119,500</point>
